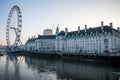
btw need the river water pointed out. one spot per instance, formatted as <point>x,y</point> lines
<point>34,68</point>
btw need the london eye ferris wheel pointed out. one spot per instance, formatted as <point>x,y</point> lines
<point>17,29</point>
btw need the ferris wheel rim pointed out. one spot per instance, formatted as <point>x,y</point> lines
<point>19,25</point>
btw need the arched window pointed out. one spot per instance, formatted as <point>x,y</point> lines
<point>106,43</point>
<point>105,40</point>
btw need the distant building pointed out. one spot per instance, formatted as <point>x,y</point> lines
<point>101,39</point>
<point>47,32</point>
<point>30,44</point>
<point>45,43</point>
<point>2,49</point>
<point>41,43</point>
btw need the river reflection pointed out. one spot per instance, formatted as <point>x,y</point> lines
<point>32,68</point>
<point>10,69</point>
<point>77,71</point>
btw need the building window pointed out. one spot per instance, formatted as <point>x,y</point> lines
<point>106,43</point>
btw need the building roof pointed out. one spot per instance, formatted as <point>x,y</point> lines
<point>41,37</point>
<point>46,37</point>
<point>94,30</point>
<point>89,31</point>
<point>62,33</point>
<point>30,40</point>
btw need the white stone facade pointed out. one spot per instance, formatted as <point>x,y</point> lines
<point>42,43</point>
<point>30,45</point>
<point>47,44</point>
<point>102,39</point>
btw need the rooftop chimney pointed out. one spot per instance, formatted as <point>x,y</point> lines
<point>102,25</point>
<point>66,31</point>
<point>78,29</point>
<point>85,28</point>
<point>111,25</point>
<point>118,28</point>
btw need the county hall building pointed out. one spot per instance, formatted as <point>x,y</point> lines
<point>101,39</point>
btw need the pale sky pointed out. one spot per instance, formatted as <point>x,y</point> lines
<point>38,15</point>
